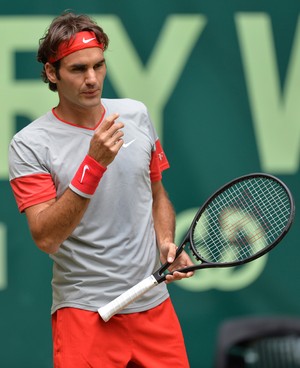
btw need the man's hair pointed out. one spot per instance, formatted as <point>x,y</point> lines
<point>63,28</point>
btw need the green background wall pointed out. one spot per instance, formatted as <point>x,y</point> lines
<point>222,82</point>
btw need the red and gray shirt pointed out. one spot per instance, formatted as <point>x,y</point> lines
<point>114,245</point>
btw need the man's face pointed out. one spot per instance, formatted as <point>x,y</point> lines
<point>81,77</point>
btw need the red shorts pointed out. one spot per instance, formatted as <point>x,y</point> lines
<point>147,339</point>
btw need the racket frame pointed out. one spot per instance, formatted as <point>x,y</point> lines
<point>159,274</point>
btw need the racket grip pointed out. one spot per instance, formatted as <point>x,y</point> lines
<point>129,296</point>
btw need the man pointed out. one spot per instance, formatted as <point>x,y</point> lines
<point>88,177</point>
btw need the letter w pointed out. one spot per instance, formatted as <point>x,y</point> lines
<point>276,115</point>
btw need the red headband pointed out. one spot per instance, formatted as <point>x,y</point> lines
<point>81,40</point>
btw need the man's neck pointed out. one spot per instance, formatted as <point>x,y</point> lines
<point>84,117</point>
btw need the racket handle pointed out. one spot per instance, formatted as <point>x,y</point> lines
<point>129,296</point>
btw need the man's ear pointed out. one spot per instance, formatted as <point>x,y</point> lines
<point>51,72</point>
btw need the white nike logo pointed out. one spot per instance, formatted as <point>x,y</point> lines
<point>125,145</point>
<point>88,40</point>
<point>85,168</point>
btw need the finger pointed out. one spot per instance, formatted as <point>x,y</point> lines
<point>116,137</point>
<point>108,122</point>
<point>182,275</point>
<point>115,129</point>
<point>176,276</point>
<point>118,144</point>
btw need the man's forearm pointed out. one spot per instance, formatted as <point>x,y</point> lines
<point>52,222</point>
<point>164,216</point>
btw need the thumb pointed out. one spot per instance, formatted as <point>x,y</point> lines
<point>171,253</point>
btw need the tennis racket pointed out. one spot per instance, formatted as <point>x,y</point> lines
<point>240,222</point>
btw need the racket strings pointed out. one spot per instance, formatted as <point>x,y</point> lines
<point>275,202</point>
<point>242,220</point>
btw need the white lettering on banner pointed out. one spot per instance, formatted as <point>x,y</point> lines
<point>276,115</point>
<point>3,257</point>
<point>226,279</point>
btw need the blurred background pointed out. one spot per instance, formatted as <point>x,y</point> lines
<point>221,80</point>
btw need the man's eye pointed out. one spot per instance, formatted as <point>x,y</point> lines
<point>97,66</point>
<point>78,69</point>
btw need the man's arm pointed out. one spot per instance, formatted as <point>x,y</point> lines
<point>164,223</point>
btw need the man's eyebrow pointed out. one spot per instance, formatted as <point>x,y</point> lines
<point>82,65</point>
<point>78,65</point>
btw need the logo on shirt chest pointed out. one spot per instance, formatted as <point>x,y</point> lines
<point>126,145</point>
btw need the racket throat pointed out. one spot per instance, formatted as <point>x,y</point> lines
<point>159,275</point>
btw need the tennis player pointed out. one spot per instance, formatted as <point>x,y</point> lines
<point>88,175</point>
